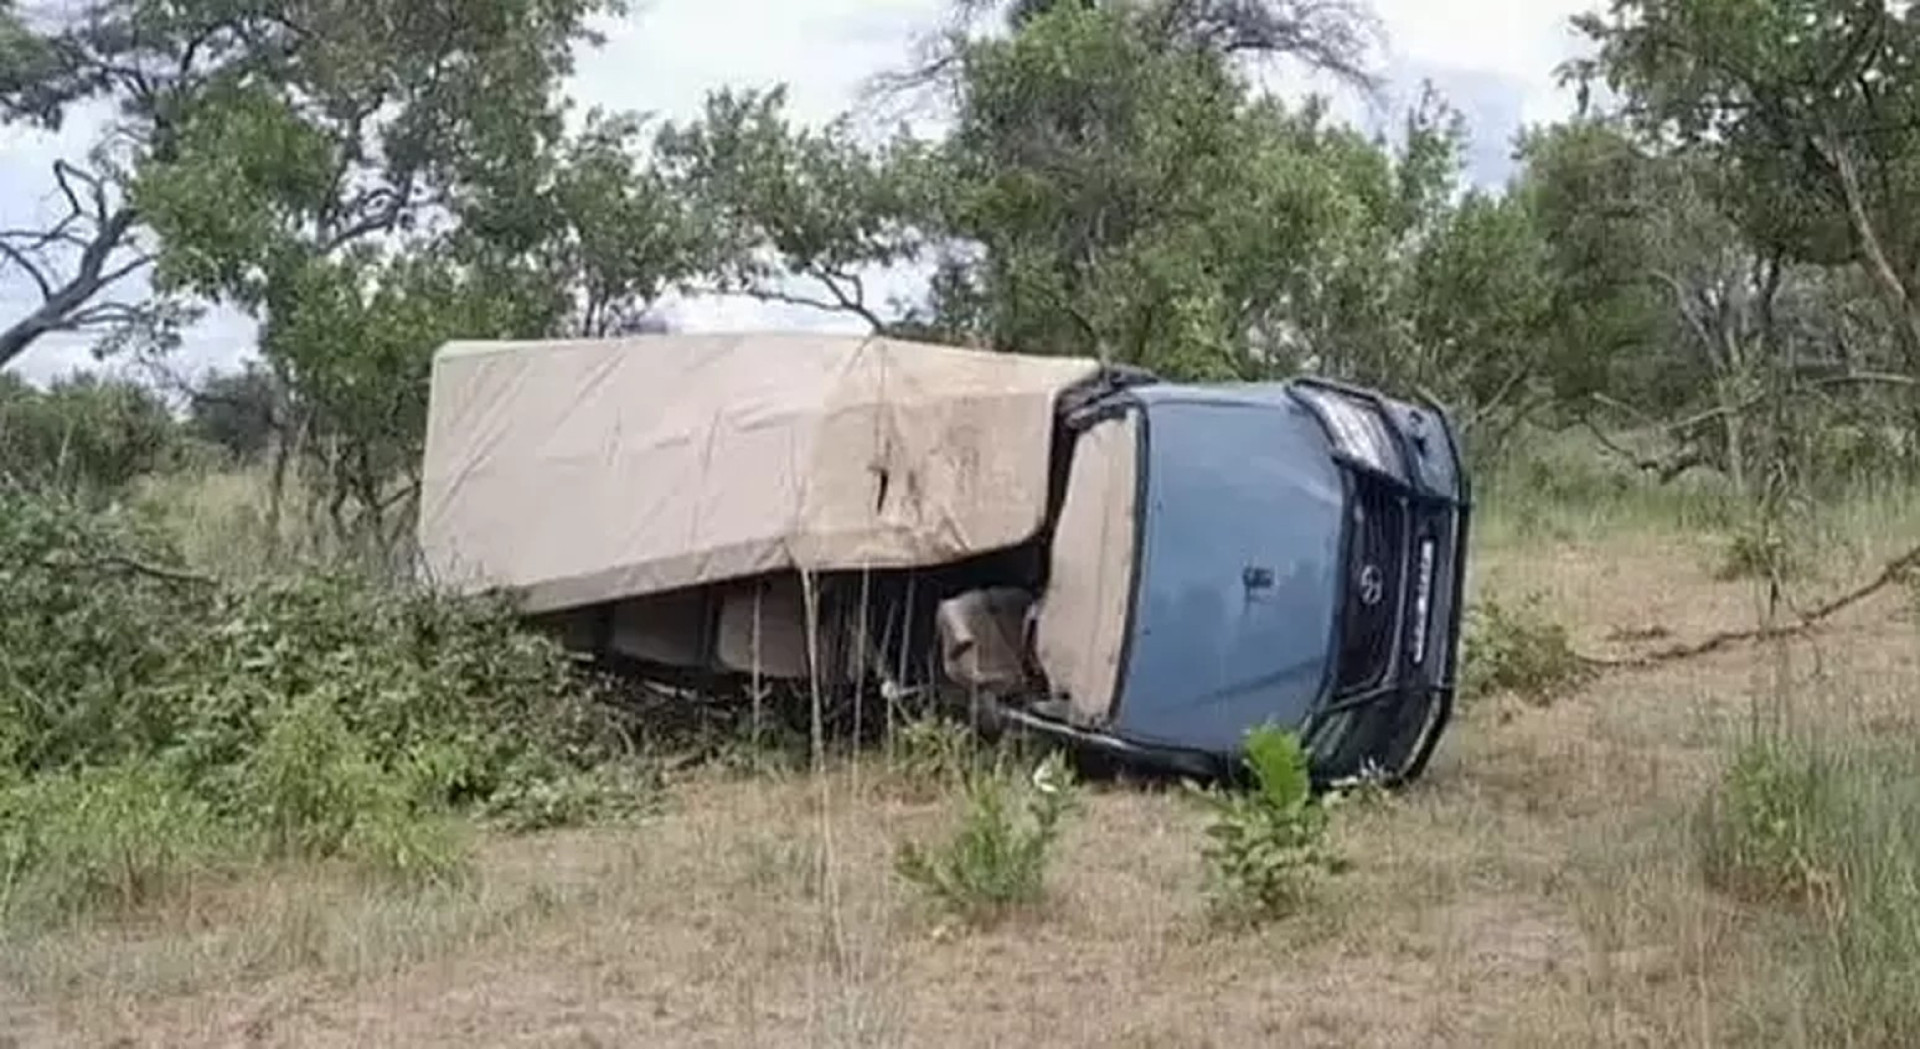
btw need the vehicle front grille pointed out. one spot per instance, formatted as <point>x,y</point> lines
<point>1371,613</point>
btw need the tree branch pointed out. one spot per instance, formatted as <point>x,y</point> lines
<point>117,563</point>
<point>1895,571</point>
<point>26,264</point>
<point>1835,154</point>
<point>64,305</point>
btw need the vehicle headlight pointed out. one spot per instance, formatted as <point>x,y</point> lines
<point>1357,431</point>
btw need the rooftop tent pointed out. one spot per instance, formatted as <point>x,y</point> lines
<point>581,472</point>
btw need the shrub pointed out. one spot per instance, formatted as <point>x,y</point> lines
<point>1754,553</point>
<point>315,715</point>
<point>1266,847</point>
<point>1516,650</point>
<point>997,860</point>
<point>85,435</point>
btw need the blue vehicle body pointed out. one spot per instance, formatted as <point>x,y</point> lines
<point>1288,572</point>
<point>1238,569</point>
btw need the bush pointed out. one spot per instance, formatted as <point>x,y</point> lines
<point>1761,829</point>
<point>84,435</point>
<point>1266,847</point>
<point>1754,553</point>
<point>312,716</point>
<point>1519,651</point>
<point>997,860</point>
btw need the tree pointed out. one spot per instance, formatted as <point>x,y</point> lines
<point>589,234</point>
<point>776,202</point>
<point>1108,190</point>
<point>1813,105</point>
<point>72,263</point>
<point>1329,36</point>
<point>1113,185</point>
<point>306,161</point>
<point>240,411</point>
<point>85,435</point>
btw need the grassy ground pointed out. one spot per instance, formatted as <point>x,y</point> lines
<point>1541,887</point>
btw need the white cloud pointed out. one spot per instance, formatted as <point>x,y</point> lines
<point>1520,41</point>
<point>1495,57</point>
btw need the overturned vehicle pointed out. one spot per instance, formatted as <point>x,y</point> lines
<point>1144,568</point>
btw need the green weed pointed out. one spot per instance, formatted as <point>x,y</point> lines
<point>1266,847</point>
<point>996,862</point>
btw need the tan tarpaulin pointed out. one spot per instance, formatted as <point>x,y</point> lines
<point>1082,623</point>
<point>577,472</point>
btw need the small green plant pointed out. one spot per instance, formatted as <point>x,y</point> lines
<point>997,861</point>
<point>931,754</point>
<point>1266,847</point>
<point>1517,650</point>
<point>1755,553</point>
<point>1762,828</point>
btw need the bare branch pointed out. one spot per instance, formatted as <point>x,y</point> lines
<point>1834,153</point>
<point>1895,571</point>
<point>102,314</point>
<point>116,563</point>
<point>29,267</point>
<point>1665,469</point>
<point>61,303</point>
<point>843,301</point>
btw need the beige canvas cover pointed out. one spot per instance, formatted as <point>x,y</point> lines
<point>577,472</point>
<point>1081,628</point>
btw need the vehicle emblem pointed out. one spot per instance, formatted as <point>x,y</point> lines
<point>1373,585</point>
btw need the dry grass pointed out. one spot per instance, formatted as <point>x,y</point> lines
<point>1538,889</point>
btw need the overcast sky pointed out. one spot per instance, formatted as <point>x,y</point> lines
<point>1494,59</point>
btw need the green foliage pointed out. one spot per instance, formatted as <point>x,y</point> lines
<point>1834,833</point>
<point>312,715</point>
<point>84,435</point>
<point>776,201</point>
<point>1757,553</point>
<point>237,411</point>
<point>1115,185</point>
<point>997,860</point>
<point>932,753</point>
<point>299,161</point>
<point>115,836</point>
<point>1516,650</point>
<point>1764,832</point>
<point>1266,847</point>
<point>1776,87</point>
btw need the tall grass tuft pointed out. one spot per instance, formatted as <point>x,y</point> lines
<point>1832,831</point>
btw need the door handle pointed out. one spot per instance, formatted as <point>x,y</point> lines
<point>1256,577</point>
